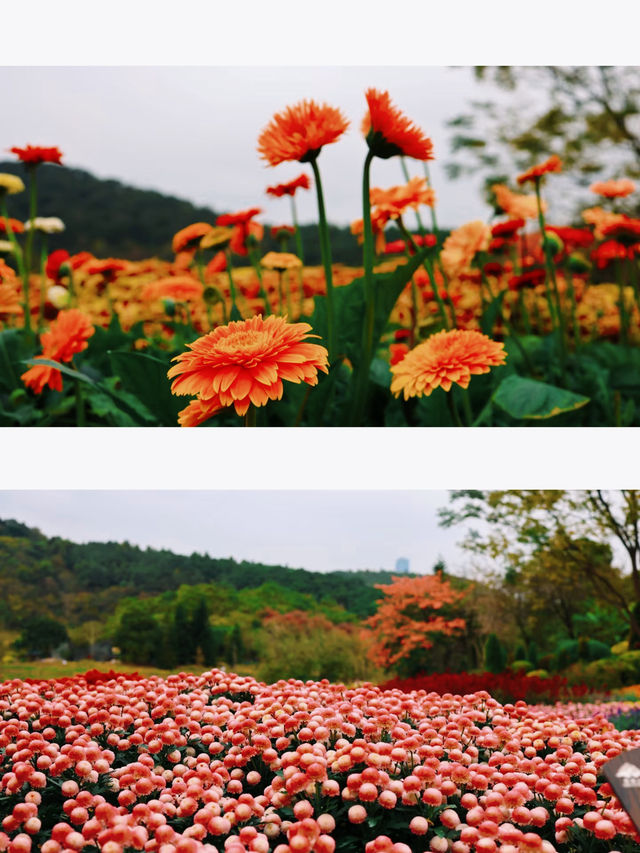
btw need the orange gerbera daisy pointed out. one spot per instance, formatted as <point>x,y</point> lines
<point>189,237</point>
<point>67,335</point>
<point>182,288</point>
<point>33,155</point>
<point>517,205</point>
<point>302,182</point>
<point>462,245</point>
<point>534,173</point>
<point>613,189</point>
<point>398,199</point>
<point>198,411</point>
<point>106,266</point>
<point>14,224</point>
<point>445,358</point>
<point>389,132</point>
<point>245,362</point>
<point>300,132</point>
<point>380,216</point>
<point>9,296</point>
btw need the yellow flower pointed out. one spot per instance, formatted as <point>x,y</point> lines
<point>280,261</point>
<point>10,184</point>
<point>219,238</point>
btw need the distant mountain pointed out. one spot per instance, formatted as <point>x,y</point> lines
<point>110,219</point>
<point>75,582</point>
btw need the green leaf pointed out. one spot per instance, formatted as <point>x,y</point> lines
<point>146,377</point>
<point>529,399</point>
<point>14,348</point>
<point>68,371</point>
<point>349,308</point>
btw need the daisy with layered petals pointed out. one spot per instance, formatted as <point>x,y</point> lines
<point>33,155</point>
<point>389,132</point>
<point>180,288</point>
<point>302,182</point>
<point>68,334</point>
<point>534,173</point>
<point>613,189</point>
<point>299,132</point>
<point>245,363</point>
<point>189,237</point>
<point>445,358</point>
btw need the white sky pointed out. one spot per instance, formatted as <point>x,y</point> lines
<point>316,530</point>
<point>192,131</point>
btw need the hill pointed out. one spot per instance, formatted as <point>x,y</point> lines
<point>78,582</point>
<point>110,219</point>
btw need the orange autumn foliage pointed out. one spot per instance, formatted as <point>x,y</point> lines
<point>408,614</point>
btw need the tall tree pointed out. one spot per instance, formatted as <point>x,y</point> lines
<point>570,531</point>
<point>413,610</point>
<point>586,114</point>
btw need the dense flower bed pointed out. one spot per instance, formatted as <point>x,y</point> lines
<point>505,686</point>
<point>218,762</point>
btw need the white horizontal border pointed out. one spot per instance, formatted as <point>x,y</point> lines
<point>371,458</point>
<point>334,32</point>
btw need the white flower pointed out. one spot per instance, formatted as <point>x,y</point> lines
<point>46,224</point>
<point>58,296</point>
<point>5,246</point>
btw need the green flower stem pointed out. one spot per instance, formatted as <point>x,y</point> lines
<point>434,220</point>
<point>72,289</point>
<point>325,249</point>
<point>80,413</point>
<point>407,177</point>
<point>436,291</point>
<point>466,405</point>
<point>453,409</point>
<point>251,417</point>
<point>506,323</point>
<point>361,377</point>
<point>33,205</point>
<point>232,286</point>
<point>43,280</point>
<point>551,274</point>
<point>624,317</point>
<point>19,262</point>
<point>294,218</point>
<point>258,271</point>
<point>574,307</point>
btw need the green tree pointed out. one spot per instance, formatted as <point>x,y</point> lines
<point>495,655</point>
<point>40,636</point>
<point>570,532</point>
<point>586,114</point>
<point>138,636</point>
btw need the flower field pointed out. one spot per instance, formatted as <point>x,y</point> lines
<point>221,762</point>
<point>515,321</point>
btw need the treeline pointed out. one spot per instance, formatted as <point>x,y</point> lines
<point>111,219</point>
<point>77,583</point>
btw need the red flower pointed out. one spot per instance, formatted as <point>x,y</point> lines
<point>389,132</point>
<point>243,228</point>
<point>16,226</point>
<point>55,261</point>
<point>573,238</point>
<point>508,228</point>
<point>528,278</point>
<point>608,251</point>
<point>33,155</point>
<point>626,231</point>
<point>535,173</point>
<point>302,182</point>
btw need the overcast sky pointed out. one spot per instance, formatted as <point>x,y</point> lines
<point>192,131</point>
<point>316,530</point>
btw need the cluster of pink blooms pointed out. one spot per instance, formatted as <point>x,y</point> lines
<point>217,762</point>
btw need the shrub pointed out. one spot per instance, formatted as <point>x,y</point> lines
<point>495,655</point>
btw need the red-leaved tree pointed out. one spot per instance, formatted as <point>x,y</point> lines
<point>409,615</point>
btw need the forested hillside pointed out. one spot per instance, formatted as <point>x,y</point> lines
<point>78,583</point>
<point>110,219</point>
